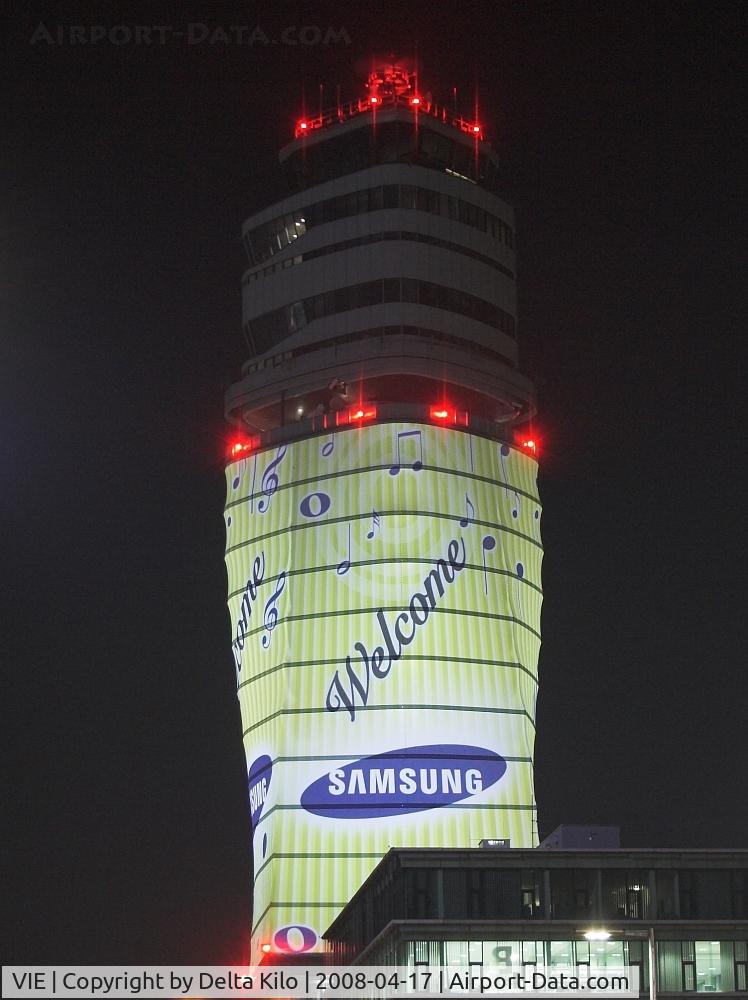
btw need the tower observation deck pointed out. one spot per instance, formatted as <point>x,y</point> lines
<point>383,542</point>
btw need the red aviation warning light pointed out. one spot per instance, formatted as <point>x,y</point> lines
<point>391,86</point>
<point>527,440</point>
<point>444,414</point>
<point>241,447</point>
<point>359,413</point>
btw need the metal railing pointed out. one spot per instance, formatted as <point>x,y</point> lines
<point>418,105</point>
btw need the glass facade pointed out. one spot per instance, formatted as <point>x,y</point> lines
<point>713,966</point>
<point>385,334</point>
<point>265,331</point>
<point>389,142</point>
<point>683,966</point>
<point>359,241</point>
<point>271,237</point>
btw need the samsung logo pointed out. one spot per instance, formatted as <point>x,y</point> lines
<point>404,781</point>
<point>426,780</point>
<point>259,777</point>
<point>257,795</point>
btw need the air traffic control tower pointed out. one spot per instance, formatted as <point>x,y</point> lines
<point>382,519</point>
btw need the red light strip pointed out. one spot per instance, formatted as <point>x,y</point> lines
<point>443,414</point>
<point>527,443</point>
<point>238,449</point>
<point>342,112</point>
<point>362,413</point>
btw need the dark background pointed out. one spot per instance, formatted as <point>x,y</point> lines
<point>129,170</point>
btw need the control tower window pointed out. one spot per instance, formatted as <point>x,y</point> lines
<point>394,142</point>
<point>388,142</point>
<point>436,149</point>
<point>272,327</point>
<point>276,235</point>
<point>271,237</point>
<point>463,162</point>
<point>341,246</point>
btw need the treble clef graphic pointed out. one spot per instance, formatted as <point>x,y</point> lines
<point>270,480</point>
<point>270,615</point>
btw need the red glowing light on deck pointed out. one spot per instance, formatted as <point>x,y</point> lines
<point>391,86</point>
<point>362,413</point>
<point>243,446</point>
<point>526,441</point>
<point>443,414</point>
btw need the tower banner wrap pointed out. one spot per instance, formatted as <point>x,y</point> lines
<point>384,594</point>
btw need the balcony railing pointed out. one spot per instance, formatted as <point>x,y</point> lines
<point>418,105</point>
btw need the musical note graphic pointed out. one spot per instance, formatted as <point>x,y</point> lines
<point>375,525</point>
<point>418,464</point>
<point>252,488</point>
<point>489,543</point>
<point>270,480</point>
<point>469,512</point>
<point>315,505</point>
<point>504,452</point>
<point>327,448</point>
<point>345,565</point>
<point>470,442</point>
<point>235,482</point>
<point>228,521</point>
<point>270,614</point>
<point>518,586</point>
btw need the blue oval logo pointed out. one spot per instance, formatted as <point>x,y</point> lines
<point>282,939</point>
<point>403,781</point>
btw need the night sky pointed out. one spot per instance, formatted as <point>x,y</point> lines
<point>127,173</point>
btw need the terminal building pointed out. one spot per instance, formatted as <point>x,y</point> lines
<point>595,907</point>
